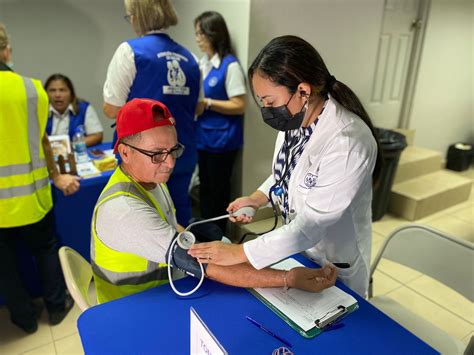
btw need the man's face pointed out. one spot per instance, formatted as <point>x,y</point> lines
<point>140,166</point>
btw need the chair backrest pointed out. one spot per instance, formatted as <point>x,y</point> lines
<point>78,275</point>
<point>442,257</point>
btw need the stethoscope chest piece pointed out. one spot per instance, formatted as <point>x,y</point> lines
<point>278,190</point>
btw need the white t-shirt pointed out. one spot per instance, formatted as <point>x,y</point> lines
<point>121,73</point>
<point>130,225</point>
<point>234,80</point>
<point>61,121</point>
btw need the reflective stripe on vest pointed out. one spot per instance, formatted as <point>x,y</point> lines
<point>115,279</point>
<point>24,188</point>
<point>36,162</point>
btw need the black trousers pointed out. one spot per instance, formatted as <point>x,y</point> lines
<point>215,171</point>
<point>40,239</point>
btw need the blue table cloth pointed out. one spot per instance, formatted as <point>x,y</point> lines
<point>158,322</point>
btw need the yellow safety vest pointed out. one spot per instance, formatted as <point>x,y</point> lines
<point>25,193</point>
<point>118,274</point>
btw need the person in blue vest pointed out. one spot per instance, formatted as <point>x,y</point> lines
<point>154,66</point>
<point>67,112</point>
<point>220,127</point>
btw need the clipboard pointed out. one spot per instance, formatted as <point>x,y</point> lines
<point>330,316</point>
<point>320,325</point>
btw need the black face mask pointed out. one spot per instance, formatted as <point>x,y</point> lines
<point>280,117</point>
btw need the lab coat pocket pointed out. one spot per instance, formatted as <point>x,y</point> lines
<point>346,274</point>
<point>215,135</point>
<point>303,189</point>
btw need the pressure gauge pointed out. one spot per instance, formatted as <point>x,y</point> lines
<point>186,239</point>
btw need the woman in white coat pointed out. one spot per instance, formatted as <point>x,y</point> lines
<point>325,162</point>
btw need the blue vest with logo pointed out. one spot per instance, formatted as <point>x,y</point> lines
<point>75,120</point>
<point>168,72</point>
<point>216,132</point>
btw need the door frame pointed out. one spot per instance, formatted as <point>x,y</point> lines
<point>419,25</point>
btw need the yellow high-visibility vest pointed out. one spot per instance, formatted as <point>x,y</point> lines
<point>25,192</point>
<point>118,274</point>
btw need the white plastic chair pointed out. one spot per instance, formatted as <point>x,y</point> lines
<point>78,276</point>
<point>444,258</point>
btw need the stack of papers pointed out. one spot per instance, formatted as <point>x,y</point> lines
<point>303,307</point>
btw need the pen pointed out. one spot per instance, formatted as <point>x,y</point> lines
<point>342,265</point>
<point>269,332</point>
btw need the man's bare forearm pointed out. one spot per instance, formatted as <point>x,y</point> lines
<point>245,275</point>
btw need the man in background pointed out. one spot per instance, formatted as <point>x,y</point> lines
<point>26,166</point>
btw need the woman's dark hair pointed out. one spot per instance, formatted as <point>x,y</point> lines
<point>290,60</point>
<point>213,26</point>
<point>74,99</point>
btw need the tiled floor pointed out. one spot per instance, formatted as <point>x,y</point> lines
<point>421,294</point>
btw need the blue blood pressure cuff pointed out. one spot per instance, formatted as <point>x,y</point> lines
<point>181,260</point>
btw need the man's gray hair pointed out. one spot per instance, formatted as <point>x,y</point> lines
<point>4,38</point>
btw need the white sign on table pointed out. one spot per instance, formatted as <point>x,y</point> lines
<point>202,339</point>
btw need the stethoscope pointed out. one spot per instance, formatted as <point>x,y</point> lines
<point>277,189</point>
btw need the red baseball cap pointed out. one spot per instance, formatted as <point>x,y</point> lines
<point>137,116</point>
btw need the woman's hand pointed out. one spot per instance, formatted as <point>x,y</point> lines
<point>218,253</point>
<point>245,201</point>
<point>200,107</point>
<point>313,280</point>
<point>68,184</point>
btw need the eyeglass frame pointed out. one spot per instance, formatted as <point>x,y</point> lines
<point>128,18</point>
<point>199,34</point>
<point>178,147</point>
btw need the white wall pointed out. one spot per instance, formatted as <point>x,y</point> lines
<point>73,37</point>
<point>235,12</point>
<point>443,102</point>
<point>345,33</point>
<point>78,37</point>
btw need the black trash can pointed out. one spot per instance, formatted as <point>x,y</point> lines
<point>459,156</point>
<point>391,144</point>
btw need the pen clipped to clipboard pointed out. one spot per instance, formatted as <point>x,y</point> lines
<point>306,312</point>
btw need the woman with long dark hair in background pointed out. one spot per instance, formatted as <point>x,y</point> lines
<point>67,112</point>
<point>220,127</point>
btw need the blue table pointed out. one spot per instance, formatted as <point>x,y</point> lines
<point>157,321</point>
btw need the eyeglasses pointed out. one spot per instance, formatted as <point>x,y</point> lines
<point>128,18</point>
<point>161,155</point>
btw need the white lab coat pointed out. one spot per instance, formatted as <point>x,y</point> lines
<point>330,194</point>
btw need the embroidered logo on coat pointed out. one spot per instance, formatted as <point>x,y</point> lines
<point>310,179</point>
<point>212,81</point>
<point>175,76</point>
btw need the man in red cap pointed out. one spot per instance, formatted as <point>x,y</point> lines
<point>134,220</point>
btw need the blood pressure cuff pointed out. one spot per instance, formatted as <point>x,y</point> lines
<point>181,260</point>
<point>206,232</point>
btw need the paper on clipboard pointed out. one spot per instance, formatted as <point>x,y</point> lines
<point>302,307</point>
